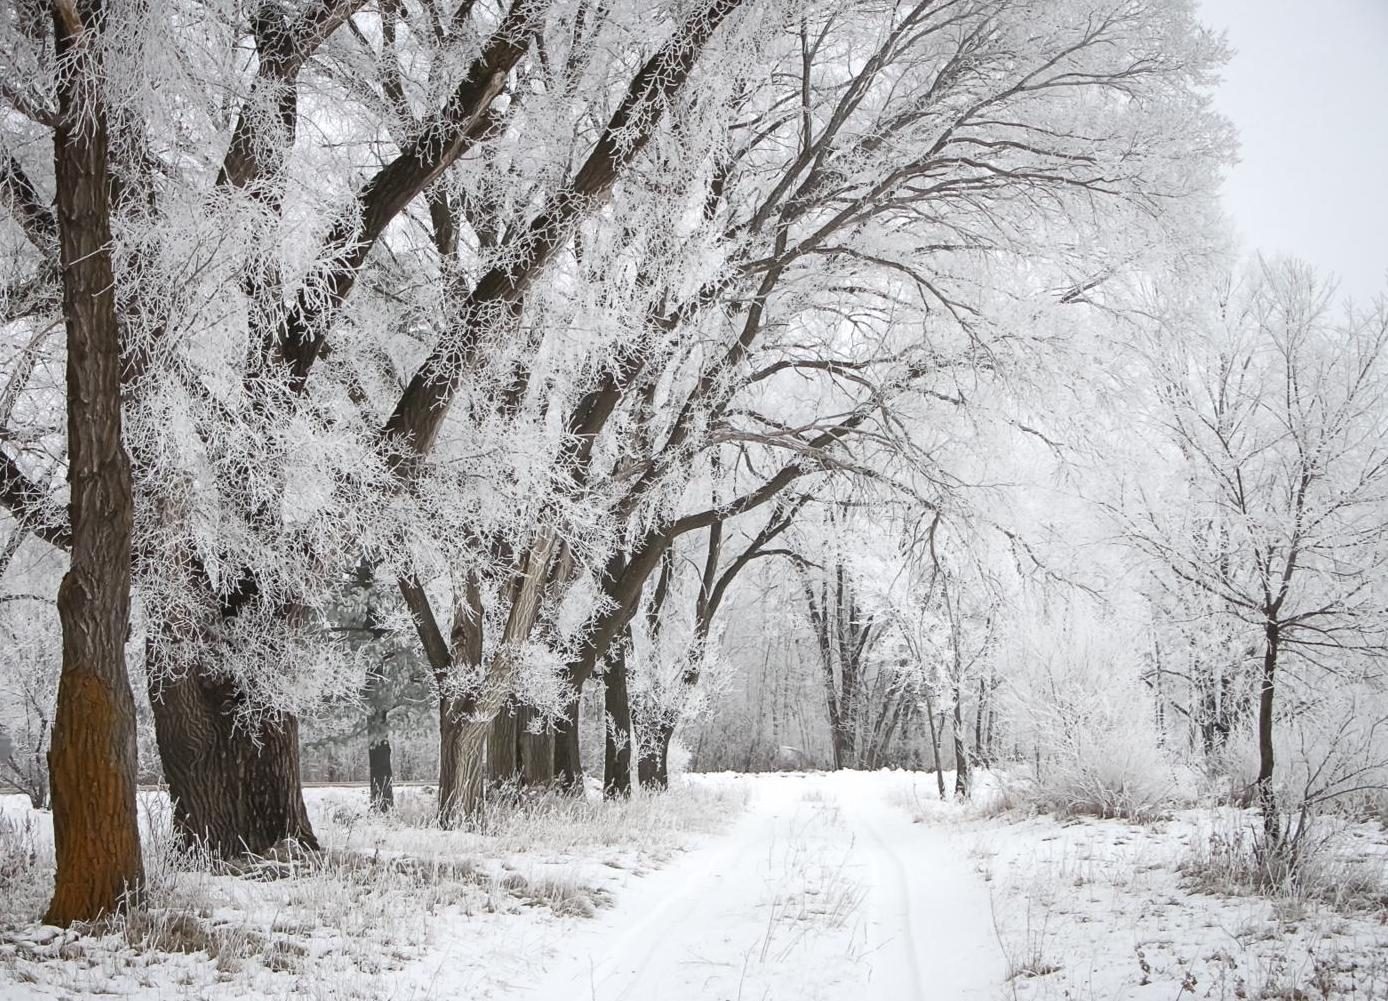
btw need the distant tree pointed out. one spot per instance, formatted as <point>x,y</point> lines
<point>1273,403</point>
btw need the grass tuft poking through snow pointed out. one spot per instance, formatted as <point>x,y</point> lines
<point>1319,866</point>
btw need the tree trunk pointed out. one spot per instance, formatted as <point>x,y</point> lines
<point>979,715</point>
<point>568,766</point>
<point>378,756</point>
<point>654,768</point>
<point>233,791</point>
<point>648,766</point>
<point>92,756</point>
<point>536,752</point>
<point>1267,793</point>
<point>462,750</point>
<point>503,757</point>
<point>989,745</point>
<point>962,776</point>
<point>616,779</point>
<point>377,697</point>
<point>935,743</point>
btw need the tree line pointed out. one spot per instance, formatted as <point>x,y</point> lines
<point>494,310</point>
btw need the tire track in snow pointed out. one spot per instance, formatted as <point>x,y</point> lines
<point>943,911</point>
<point>756,916</point>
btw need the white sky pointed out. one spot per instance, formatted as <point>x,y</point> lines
<point>1308,91</point>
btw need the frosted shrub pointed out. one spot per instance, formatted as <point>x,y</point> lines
<point>1315,863</point>
<point>1106,773</point>
<point>1095,748</point>
<point>26,871</point>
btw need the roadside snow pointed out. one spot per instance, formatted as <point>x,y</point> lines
<point>841,887</point>
<point>1103,909</point>
<point>821,888</point>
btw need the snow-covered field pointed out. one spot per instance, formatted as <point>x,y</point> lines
<point>1091,909</point>
<point>787,886</point>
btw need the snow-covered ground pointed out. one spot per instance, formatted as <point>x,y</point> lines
<point>807,887</point>
<point>1091,909</point>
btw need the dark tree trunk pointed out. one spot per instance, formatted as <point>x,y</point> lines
<point>648,765</point>
<point>92,756</point>
<point>1267,793</point>
<point>962,775</point>
<point>378,756</point>
<point>979,715</point>
<point>616,779</point>
<point>503,757</point>
<point>653,771</point>
<point>536,751</point>
<point>377,696</point>
<point>568,766</point>
<point>233,792</point>
<point>935,744</point>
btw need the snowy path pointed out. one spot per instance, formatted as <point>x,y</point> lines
<point>824,890</point>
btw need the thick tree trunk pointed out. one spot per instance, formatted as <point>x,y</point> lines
<point>377,697</point>
<point>503,758</point>
<point>536,752</point>
<point>233,791</point>
<point>1267,793</point>
<point>462,741</point>
<point>648,768</point>
<point>568,766</point>
<point>378,757</point>
<point>462,749</point>
<point>653,770</point>
<point>92,763</point>
<point>616,779</point>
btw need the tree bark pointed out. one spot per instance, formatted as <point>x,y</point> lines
<point>653,770</point>
<point>378,758</point>
<point>462,752</point>
<point>503,758</point>
<point>1267,793</point>
<point>934,743</point>
<point>568,766</point>
<point>979,715</point>
<point>462,749</point>
<point>234,791</point>
<point>536,752</point>
<point>616,780</point>
<point>377,698</point>
<point>92,757</point>
<point>962,775</point>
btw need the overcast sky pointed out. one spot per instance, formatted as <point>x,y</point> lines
<point>1308,91</point>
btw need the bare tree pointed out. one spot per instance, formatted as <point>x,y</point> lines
<point>1276,413</point>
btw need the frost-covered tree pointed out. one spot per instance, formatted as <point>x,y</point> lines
<point>1273,403</point>
<point>482,329</point>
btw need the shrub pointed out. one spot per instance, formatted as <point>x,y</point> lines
<point>26,870</point>
<point>1308,864</point>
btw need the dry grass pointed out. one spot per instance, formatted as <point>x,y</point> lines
<point>1235,859</point>
<point>337,924</point>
